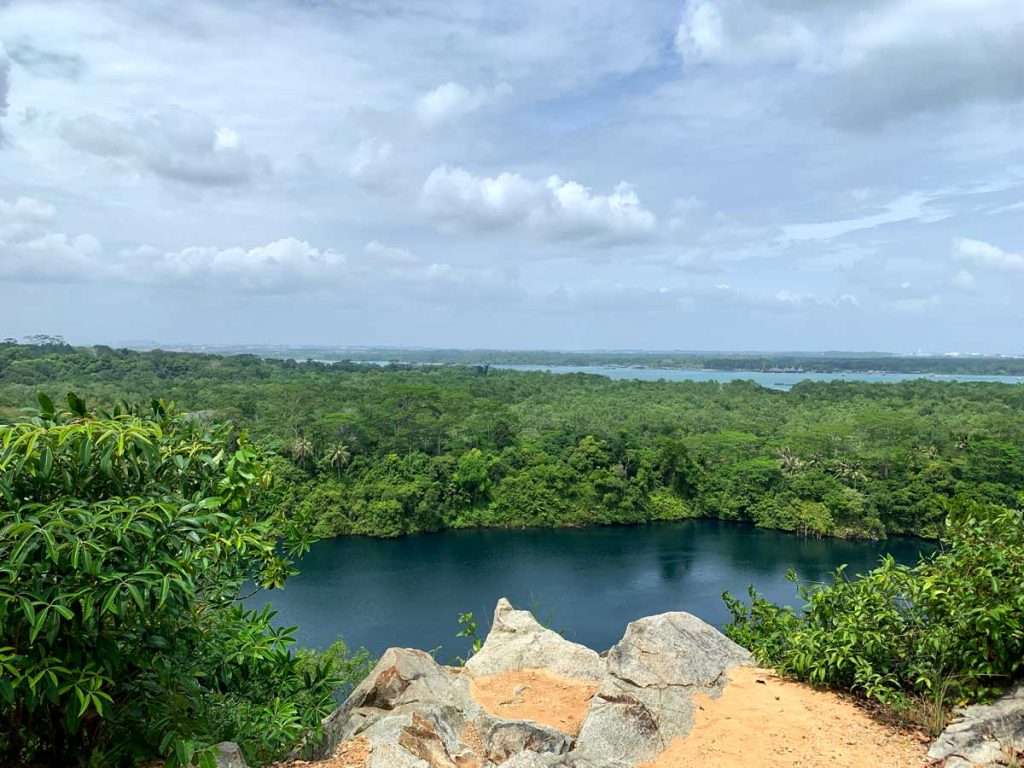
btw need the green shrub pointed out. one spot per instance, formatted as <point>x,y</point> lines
<point>124,541</point>
<point>955,620</point>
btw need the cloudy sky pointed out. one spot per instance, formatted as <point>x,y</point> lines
<point>701,174</point>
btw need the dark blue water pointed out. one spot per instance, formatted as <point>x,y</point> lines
<point>585,583</point>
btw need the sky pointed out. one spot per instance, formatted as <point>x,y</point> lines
<point>557,174</point>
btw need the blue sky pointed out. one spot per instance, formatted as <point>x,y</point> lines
<point>727,174</point>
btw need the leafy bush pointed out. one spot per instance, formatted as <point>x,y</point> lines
<point>665,505</point>
<point>953,625</point>
<point>124,541</point>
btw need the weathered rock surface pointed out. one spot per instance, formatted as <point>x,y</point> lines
<point>518,641</point>
<point>646,698</point>
<point>415,713</point>
<point>984,735</point>
<point>228,755</point>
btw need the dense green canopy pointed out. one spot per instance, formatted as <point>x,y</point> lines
<point>396,449</point>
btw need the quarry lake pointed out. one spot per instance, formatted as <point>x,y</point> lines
<point>585,583</point>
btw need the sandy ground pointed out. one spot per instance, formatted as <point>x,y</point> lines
<point>759,721</point>
<point>762,721</point>
<point>350,754</point>
<point>535,694</point>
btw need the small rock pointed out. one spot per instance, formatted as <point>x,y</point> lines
<point>228,755</point>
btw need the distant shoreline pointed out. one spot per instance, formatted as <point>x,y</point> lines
<point>871,363</point>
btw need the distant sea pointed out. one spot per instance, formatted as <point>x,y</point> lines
<point>772,380</point>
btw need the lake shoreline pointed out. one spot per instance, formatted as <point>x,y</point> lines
<point>640,524</point>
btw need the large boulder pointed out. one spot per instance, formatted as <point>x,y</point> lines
<point>984,735</point>
<point>646,698</point>
<point>415,713</point>
<point>518,641</point>
<point>671,650</point>
<point>404,682</point>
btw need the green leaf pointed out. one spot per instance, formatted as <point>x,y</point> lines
<point>45,405</point>
<point>77,405</point>
<point>136,596</point>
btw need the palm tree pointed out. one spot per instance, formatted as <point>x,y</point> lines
<point>302,450</point>
<point>338,457</point>
<point>791,463</point>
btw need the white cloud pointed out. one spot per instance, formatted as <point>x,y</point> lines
<point>23,216</point>
<point>554,209</point>
<point>173,143</point>
<point>284,266</point>
<point>987,255</point>
<point>455,197</point>
<point>878,60</point>
<point>738,32</point>
<point>390,256</point>
<point>448,102</point>
<point>226,139</point>
<point>52,257</point>
<point>915,206</point>
<point>700,36</point>
<point>279,266</point>
<point>30,251</point>
<point>372,164</point>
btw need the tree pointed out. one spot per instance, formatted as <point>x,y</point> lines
<point>473,474</point>
<point>302,451</point>
<point>338,457</point>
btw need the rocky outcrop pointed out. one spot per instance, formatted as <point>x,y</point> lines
<point>518,641</point>
<point>984,735</point>
<point>415,713</point>
<point>646,697</point>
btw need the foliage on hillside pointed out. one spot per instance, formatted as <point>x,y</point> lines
<point>390,450</point>
<point>948,629</point>
<point>124,541</point>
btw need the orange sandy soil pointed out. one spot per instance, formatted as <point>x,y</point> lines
<point>763,721</point>
<point>537,695</point>
<point>353,753</point>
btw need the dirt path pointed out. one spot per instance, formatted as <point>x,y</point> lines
<point>762,721</point>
